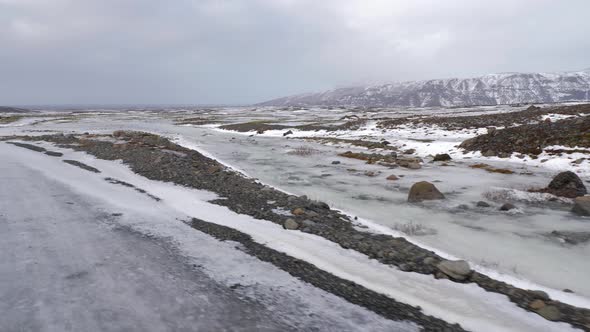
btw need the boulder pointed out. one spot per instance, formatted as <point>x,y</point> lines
<point>482,204</point>
<point>409,163</point>
<point>290,224</point>
<point>582,206</point>
<point>288,133</point>
<point>549,312</point>
<point>488,153</point>
<point>335,162</point>
<point>457,270</point>
<point>567,184</point>
<point>507,207</point>
<point>442,157</point>
<point>537,304</point>
<point>298,212</point>
<point>414,166</point>
<point>424,190</point>
<point>541,295</point>
<point>318,206</point>
<point>392,178</point>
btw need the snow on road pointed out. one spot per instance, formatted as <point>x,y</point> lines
<point>81,254</point>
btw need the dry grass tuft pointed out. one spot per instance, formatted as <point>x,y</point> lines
<point>303,151</point>
<point>492,169</point>
<point>414,229</point>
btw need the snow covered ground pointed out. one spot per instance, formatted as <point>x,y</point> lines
<point>508,246</point>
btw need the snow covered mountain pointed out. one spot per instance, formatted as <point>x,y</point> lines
<point>493,89</point>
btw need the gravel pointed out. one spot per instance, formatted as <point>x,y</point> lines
<point>354,293</point>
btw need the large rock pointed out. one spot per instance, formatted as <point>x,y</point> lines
<point>424,190</point>
<point>411,163</point>
<point>442,157</point>
<point>582,206</point>
<point>483,204</point>
<point>298,211</point>
<point>537,304</point>
<point>457,270</point>
<point>507,207</point>
<point>550,312</point>
<point>290,224</point>
<point>567,184</point>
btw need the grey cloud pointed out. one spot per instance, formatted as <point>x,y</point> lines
<point>242,51</point>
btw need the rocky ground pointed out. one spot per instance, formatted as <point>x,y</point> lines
<point>9,119</point>
<point>263,125</point>
<point>307,272</point>
<point>532,114</point>
<point>157,158</point>
<point>532,139</point>
<point>526,132</point>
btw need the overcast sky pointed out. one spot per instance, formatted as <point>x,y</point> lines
<point>245,51</point>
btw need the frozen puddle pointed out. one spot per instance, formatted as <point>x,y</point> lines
<point>467,305</point>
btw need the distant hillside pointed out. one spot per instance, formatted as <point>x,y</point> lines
<point>493,89</point>
<point>5,109</point>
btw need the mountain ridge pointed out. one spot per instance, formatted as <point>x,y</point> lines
<point>490,89</point>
